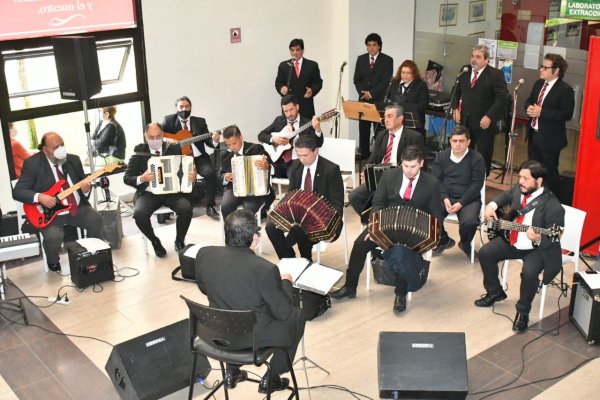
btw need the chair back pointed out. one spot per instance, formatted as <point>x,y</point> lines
<point>222,329</point>
<point>571,238</point>
<point>342,152</point>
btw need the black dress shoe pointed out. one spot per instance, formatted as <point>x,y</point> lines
<point>521,322</point>
<point>444,246</point>
<point>179,244</point>
<point>400,303</point>
<point>158,248</point>
<point>54,267</point>
<point>277,383</point>
<point>489,299</point>
<point>233,378</point>
<point>345,291</point>
<point>211,212</point>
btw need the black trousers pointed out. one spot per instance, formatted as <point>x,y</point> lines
<point>229,202</point>
<point>468,221</point>
<point>550,157</point>
<point>358,256</point>
<point>147,203</point>
<point>483,139</point>
<point>284,244</point>
<point>533,264</point>
<point>86,218</point>
<point>207,171</point>
<point>280,168</point>
<point>364,138</point>
<point>359,198</point>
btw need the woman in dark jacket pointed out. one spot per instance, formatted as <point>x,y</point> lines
<point>109,138</point>
<point>408,89</point>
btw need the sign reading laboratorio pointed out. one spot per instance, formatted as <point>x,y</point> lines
<point>21,19</point>
<point>580,9</point>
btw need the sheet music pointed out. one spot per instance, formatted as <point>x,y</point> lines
<point>312,277</point>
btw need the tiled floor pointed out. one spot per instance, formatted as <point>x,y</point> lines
<point>35,364</point>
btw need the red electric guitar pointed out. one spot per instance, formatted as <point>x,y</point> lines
<point>40,216</point>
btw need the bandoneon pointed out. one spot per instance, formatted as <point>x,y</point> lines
<point>248,179</point>
<point>404,225</point>
<point>171,174</point>
<point>373,173</point>
<point>317,218</point>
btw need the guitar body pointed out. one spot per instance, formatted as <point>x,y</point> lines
<point>179,136</point>
<point>276,151</point>
<point>503,226</point>
<point>40,216</point>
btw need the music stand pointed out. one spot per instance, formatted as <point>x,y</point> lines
<point>361,111</point>
<point>411,120</point>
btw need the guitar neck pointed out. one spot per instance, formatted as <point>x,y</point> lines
<point>66,193</point>
<point>199,138</point>
<point>513,226</point>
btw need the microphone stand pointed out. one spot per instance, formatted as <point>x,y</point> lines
<point>336,121</point>
<point>289,81</point>
<point>512,135</point>
<point>443,140</point>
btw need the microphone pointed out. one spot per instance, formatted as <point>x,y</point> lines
<point>521,81</point>
<point>343,65</point>
<point>387,92</point>
<point>464,69</point>
<point>291,62</point>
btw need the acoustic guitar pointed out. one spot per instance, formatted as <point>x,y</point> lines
<point>275,151</point>
<point>185,138</point>
<point>40,216</point>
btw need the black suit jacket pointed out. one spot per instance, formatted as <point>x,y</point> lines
<point>545,215</point>
<point>425,196</point>
<point>111,136</point>
<point>310,76</point>
<point>376,81</point>
<point>138,163</point>
<point>417,95</point>
<point>488,97</point>
<point>557,109</point>
<point>234,278</point>
<point>37,177</point>
<point>281,122</point>
<point>250,149</point>
<point>409,137</point>
<point>197,126</point>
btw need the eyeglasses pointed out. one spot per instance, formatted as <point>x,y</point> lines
<point>545,68</point>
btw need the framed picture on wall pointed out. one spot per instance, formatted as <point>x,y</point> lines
<point>448,14</point>
<point>477,11</point>
<point>477,34</point>
<point>573,29</point>
<point>498,9</point>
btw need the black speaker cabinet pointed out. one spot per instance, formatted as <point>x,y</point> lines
<point>113,225</point>
<point>77,67</point>
<point>154,365</point>
<point>584,309</point>
<point>422,365</point>
<point>89,269</point>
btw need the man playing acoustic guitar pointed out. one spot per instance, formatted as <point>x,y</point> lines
<point>40,172</point>
<point>538,209</point>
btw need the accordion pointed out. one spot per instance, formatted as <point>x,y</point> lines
<point>317,218</point>
<point>248,179</point>
<point>404,225</point>
<point>373,174</point>
<point>171,174</point>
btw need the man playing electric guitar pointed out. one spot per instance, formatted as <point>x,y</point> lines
<point>40,172</point>
<point>538,207</point>
<point>280,133</point>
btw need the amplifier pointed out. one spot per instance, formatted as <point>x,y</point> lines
<point>90,261</point>
<point>584,309</point>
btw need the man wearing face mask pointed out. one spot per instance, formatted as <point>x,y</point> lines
<point>43,170</point>
<point>183,120</point>
<point>138,175</point>
<point>19,152</point>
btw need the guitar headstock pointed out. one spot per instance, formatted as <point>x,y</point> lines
<point>328,114</point>
<point>555,232</point>
<point>111,167</point>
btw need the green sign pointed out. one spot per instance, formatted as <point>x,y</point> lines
<point>580,9</point>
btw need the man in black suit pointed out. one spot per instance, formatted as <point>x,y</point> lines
<point>484,97</point>
<point>539,253</point>
<point>309,172</point>
<point>238,147</point>
<point>372,76</point>
<point>461,171</point>
<point>550,105</point>
<point>182,120</point>
<point>138,175</point>
<point>408,186</point>
<point>283,129</point>
<point>300,77</point>
<point>388,148</point>
<point>234,278</point>
<point>40,172</point>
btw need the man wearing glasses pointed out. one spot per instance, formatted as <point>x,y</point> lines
<point>550,105</point>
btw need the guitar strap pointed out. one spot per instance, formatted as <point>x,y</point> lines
<point>534,203</point>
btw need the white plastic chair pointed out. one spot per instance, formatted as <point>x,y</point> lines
<point>279,182</point>
<point>453,218</point>
<point>570,241</point>
<point>258,219</point>
<point>342,152</point>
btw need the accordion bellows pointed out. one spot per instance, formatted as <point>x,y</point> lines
<point>311,211</point>
<point>404,225</point>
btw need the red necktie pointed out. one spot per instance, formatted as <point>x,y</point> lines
<point>372,64</point>
<point>408,191</point>
<point>539,103</point>
<point>388,150</point>
<point>475,73</point>
<point>157,153</point>
<point>519,220</point>
<point>297,66</point>
<point>185,125</point>
<point>308,181</point>
<point>65,186</point>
